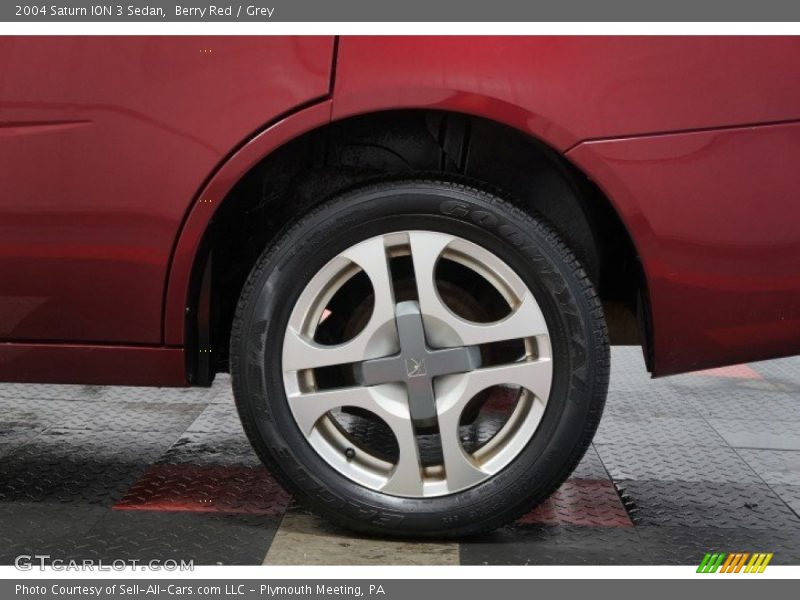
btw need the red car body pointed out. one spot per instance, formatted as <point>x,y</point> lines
<point>116,153</point>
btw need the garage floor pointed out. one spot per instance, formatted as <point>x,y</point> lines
<point>680,466</point>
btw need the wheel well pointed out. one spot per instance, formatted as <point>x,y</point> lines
<point>343,154</point>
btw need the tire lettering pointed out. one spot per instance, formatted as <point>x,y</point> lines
<point>483,218</point>
<point>453,208</point>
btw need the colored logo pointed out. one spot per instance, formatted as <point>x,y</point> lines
<point>737,562</point>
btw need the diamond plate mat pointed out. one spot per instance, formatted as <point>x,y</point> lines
<point>680,466</point>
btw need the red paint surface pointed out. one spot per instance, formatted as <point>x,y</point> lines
<point>104,144</point>
<point>714,216</point>
<point>92,365</point>
<point>568,89</point>
<point>108,144</point>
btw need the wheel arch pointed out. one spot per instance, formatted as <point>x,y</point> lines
<point>466,145</point>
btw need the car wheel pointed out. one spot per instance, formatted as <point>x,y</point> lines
<point>419,358</point>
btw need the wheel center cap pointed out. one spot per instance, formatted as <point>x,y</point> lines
<point>416,364</point>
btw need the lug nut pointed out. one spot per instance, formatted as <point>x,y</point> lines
<point>350,453</point>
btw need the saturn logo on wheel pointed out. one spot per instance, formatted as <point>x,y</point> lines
<point>415,367</point>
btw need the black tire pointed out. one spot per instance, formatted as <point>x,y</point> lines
<point>561,287</point>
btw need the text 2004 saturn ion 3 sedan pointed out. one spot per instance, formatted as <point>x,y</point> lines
<point>411,253</point>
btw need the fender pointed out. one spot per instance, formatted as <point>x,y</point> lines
<point>189,244</point>
<point>222,181</point>
<point>720,253</point>
<point>555,135</point>
<point>209,199</point>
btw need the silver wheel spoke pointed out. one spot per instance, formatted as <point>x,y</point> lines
<point>379,336</point>
<point>388,402</point>
<point>453,392</point>
<point>460,470</point>
<point>446,329</point>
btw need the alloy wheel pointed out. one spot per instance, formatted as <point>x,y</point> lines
<point>409,363</point>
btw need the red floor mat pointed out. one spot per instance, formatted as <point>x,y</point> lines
<point>192,488</point>
<point>589,502</point>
